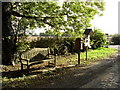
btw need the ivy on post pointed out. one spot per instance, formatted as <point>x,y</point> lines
<point>87,34</point>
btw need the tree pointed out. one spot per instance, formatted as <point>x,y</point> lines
<point>8,38</point>
<point>18,16</point>
<point>40,14</point>
<point>79,15</point>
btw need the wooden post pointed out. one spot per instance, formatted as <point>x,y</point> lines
<point>55,60</point>
<point>78,57</point>
<point>28,65</point>
<point>48,51</point>
<point>20,55</point>
<point>55,53</point>
<point>21,66</point>
<point>86,52</point>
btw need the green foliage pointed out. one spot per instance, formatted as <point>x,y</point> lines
<point>98,39</point>
<point>79,14</point>
<point>23,46</point>
<point>43,43</point>
<point>62,45</point>
<point>115,39</point>
<point>40,14</point>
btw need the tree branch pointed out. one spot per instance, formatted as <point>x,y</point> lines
<point>19,15</point>
<point>44,20</point>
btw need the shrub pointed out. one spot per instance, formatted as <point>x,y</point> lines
<point>115,40</point>
<point>23,46</point>
<point>62,45</point>
<point>98,39</point>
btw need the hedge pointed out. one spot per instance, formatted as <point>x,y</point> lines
<point>62,45</point>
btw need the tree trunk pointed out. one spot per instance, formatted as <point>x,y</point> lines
<point>8,45</point>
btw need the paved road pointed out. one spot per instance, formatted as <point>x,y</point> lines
<point>109,78</point>
<point>102,74</point>
<point>115,46</point>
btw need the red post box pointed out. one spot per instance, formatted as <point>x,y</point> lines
<point>78,48</point>
<point>78,44</point>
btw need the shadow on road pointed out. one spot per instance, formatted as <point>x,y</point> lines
<point>26,72</point>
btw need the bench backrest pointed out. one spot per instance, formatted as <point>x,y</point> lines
<point>34,52</point>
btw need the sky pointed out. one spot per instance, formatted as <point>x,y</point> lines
<point>108,23</point>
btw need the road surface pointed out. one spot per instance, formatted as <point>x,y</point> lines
<point>102,74</point>
<point>114,46</point>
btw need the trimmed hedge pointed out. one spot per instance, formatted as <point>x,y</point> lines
<point>61,45</point>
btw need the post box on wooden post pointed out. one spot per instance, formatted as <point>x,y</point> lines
<point>78,48</point>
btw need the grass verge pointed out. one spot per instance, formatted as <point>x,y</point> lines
<point>93,55</point>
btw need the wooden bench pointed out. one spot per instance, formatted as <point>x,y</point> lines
<point>34,56</point>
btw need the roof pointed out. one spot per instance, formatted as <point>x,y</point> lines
<point>88,32</point>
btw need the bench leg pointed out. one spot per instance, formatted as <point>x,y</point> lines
<point>28,67</point>
<point>55,60</point>
<point>21,66</point>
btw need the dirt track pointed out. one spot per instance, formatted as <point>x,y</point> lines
<point>102,74</point>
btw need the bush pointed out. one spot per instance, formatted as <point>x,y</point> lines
<point>43,43</point>
<point>115,40</point>
<point>98,39</point>
<point>62,45</point>
<point>23,46</point>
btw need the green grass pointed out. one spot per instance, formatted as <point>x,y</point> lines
<point>92,55</point>
<point>98,53</point>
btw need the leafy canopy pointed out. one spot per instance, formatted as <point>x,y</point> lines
<point>43,14</point>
